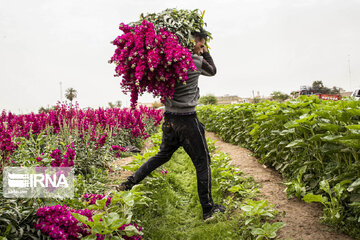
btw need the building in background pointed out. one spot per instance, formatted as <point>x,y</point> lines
<point>227,99</point>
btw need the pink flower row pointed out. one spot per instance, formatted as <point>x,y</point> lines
<point>96,123</point>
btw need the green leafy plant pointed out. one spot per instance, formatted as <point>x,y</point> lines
<point>252,215</point>
<point>296,187</point>
<point>333,203</point>
<point>17,218</point>
<point>267,231</point>
<point>256,210</point>
<point>108,219</point>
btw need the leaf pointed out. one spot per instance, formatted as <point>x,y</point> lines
<point>8,229</point>
<point>5,220</point>
<point>116,238</point>
<point>317,137</point>
<point>97,217</point>
<point>296,143</point>
<point>310,197</point>
<point>101,203</point>
<point>354,185</point>
<point>291,124</point>
<point>331,138</point>
<point>236,188</point>
<point>110,218</point>
<point>90,237</point>
<point>255,129</point>
<point>131,231</point>
<point>99,228</point>
<point>248,221</point>
<point>118,223</point>
<point>81,218</point>
<point>355,143</point>
<point>258,231</point>
<point>330,127</point>
<point>262,117</point>
<point>246,208</point>
<point>306,118</point>
<point>354,127</point>
<point>324,185</point>
<point>277,225</point>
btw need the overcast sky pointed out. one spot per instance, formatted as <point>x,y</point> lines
<point>260,45</point>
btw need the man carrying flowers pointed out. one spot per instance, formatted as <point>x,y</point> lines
<point>182,128</point>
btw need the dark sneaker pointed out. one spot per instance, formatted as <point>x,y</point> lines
<point>216,208</point>
<point>125,186</point>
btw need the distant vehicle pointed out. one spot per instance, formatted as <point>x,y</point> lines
<point>356,94</point>
<point>333,97</point>
<point>304,90</point>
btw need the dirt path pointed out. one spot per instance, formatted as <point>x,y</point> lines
<point>121,174</point>
<point>302,219</point>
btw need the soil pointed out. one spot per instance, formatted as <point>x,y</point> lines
<point>302,219</point>
<point>120,174</point>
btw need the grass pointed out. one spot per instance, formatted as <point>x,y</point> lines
<point>174,211</point>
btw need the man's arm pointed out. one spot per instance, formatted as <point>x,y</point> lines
<point>208,67</point>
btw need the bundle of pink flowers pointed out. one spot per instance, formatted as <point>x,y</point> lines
<point>150,61</point>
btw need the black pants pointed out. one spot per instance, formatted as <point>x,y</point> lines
<point>188,132</point>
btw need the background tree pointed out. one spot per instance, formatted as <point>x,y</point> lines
<point>43,109</point>
<point>279,96</point>
<point>111,105</point>
<point>70,94</point>
<point>117,104</point>
<point>208,100</point>
<point>46,109</point>
<point>336,90</point>
<point>318,87</point>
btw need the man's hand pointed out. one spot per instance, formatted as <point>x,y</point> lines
<point>205,49</point>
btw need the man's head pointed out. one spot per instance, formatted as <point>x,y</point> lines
<point>200,39</point>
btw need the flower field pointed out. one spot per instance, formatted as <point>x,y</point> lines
<point>314,144</point>
<point>87,140</point>
<point>161,207</point>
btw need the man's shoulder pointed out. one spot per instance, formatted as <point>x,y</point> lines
<point>197,60</point>
<point>196,57</point>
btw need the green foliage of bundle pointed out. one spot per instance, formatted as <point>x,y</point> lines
<point>180,22</point>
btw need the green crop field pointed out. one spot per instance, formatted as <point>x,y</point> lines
<point>314,144</point>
